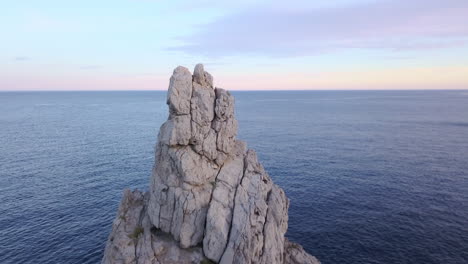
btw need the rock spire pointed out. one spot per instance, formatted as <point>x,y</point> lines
<point>209,198</point>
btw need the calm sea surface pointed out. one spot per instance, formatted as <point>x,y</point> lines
<point>373,177</point>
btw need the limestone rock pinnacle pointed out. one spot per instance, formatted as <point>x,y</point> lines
<point>209,196</point>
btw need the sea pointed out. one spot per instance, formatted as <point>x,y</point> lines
<point>373,176</point>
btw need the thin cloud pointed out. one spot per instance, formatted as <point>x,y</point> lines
<point>396,25</point>
<point>21,58</point>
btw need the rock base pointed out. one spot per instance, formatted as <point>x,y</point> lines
<point>133,240</point>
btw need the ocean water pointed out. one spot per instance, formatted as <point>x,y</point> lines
<point>373,176</point>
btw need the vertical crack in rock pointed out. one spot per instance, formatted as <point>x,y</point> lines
<point>209,197</point>
<point>219,216</point>
<point>268,210</point>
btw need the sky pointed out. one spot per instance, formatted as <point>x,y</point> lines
<point>245,45</point>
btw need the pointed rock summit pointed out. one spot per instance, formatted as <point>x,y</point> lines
<point>209,200</point>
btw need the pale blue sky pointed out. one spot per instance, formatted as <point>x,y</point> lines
<point>135,44</point>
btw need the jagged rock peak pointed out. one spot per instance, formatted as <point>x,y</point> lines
<point>209,197</point>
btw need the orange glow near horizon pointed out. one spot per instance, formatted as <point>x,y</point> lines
<point>401,78</point>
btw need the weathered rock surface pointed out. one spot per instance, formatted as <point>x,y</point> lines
<point>209,196</point>
<point>134,239</point>
<point>295,254</point>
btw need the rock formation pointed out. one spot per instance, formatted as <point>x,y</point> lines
<point>210,200</point>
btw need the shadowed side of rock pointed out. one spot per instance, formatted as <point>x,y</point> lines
<point>209,196</point>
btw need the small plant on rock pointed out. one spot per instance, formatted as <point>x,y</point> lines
<point>136,232</point>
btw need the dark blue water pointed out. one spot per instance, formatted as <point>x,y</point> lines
<point>373,177</point>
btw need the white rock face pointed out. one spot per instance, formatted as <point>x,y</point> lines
<point>248,228</point>
<point>209,196</point>
<point>176,131</point>
<point>180,91</point>
<point>202,112</point>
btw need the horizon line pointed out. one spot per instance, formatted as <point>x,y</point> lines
<point>253,90</point>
